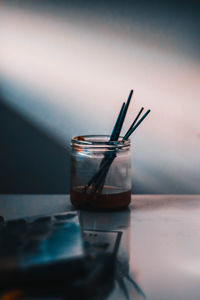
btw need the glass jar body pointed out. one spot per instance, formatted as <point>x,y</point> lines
<point>100,173</point>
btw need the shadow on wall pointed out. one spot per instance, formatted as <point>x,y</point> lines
<point>31,162</point>
<point>34,162</point>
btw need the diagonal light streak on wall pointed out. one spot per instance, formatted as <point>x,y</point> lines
<point>83,72</point>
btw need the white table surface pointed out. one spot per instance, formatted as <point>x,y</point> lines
<point>160,245</point>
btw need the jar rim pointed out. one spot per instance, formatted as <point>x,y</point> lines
<point>99,141</point>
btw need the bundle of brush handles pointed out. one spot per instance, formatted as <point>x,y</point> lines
<point>96,183</point>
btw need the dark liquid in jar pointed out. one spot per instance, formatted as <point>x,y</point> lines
<point>110,199</point>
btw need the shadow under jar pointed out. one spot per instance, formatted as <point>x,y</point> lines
<point>100,173</point>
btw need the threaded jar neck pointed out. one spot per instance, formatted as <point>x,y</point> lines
<point>99,142</point>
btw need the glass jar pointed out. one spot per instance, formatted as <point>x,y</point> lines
<point>100,173</point>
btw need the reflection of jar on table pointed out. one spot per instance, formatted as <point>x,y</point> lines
<point>100,173</point>
<point>111,221</point>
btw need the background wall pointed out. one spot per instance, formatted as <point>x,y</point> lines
<point>66,67</point>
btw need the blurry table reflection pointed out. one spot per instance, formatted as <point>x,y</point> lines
<point>160,245</point>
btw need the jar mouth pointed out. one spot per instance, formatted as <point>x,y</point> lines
<point>99,141</point>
